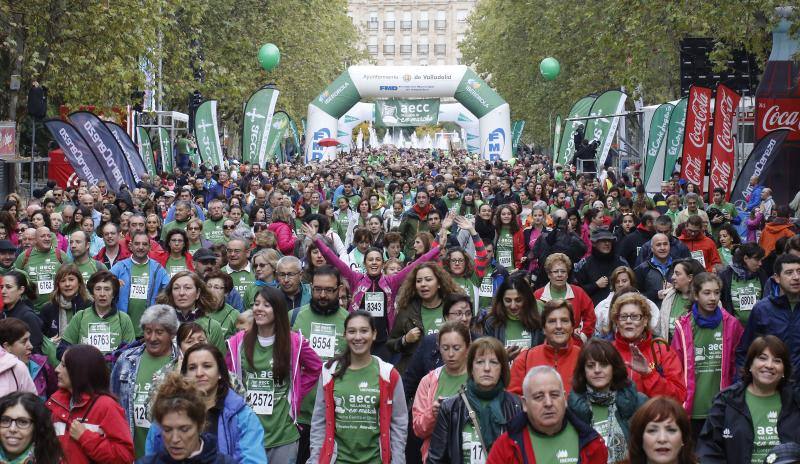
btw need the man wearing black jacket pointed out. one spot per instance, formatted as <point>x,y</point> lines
<point>630,246</point>
<point>594,270</point>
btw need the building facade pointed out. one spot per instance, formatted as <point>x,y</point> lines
<point>412,32</point>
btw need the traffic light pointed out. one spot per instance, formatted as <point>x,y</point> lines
<point>195,100</point>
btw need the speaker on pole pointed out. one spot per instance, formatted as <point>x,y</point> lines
<point>37,101</point>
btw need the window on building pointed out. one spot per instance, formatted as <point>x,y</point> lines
<point>441,20</point>
<point>440,49</point>
<point>389,22</point>
<point>406,48</point>
<point>388,45</point>
<point>422,22</point>
<point>407,22</point>
<point>372,45</point>
<point>461,16</point>
<point>372,23</point>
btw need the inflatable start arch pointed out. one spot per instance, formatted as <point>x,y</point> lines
<point>378,82</point>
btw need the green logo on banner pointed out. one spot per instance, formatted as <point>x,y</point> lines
<point>566,149</point>
<point>657,133</point>
<point>254,128</point>
<point>280,122</point>
<point>338,97</point>
<point>146,150</point>
<point>476,95</point>
<point>397,112</point>
<point>464,118</point>
<point>341,133</point>
<point>165,147</point>
<point>348,119</point>
<point>207,132</point>
<point>677,124</point>
<point>472,137</point>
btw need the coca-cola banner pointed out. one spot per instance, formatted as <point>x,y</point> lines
<point>778,113</point>
<point>721,170</point>
<point>695,139</point>
<point>758,163</point>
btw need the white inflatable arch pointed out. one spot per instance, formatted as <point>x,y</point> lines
<point>459,82</point>
<point>448,112</point>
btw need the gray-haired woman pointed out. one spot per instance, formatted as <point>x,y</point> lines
<point>138,369</point>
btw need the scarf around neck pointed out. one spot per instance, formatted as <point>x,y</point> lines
<point>488,406</point>
<point>706,322</point>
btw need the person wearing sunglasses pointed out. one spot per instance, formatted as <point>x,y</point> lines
<point>26,431</point>
<point>194,232</point>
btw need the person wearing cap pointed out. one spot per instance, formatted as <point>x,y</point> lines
<point>593,270</point>
<point>8,253</point>
<point>205,263</point>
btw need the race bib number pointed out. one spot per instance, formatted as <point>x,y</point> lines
<point>505,258</point>
<point>699,257</point>
<point>373,303</point>
<point>139,288</point>
<point>747,299</point>
<point>487,288</point>
<point>261,396</point>
<point>323,339</point>
<point>45,285</point>
<point>473,449</point>
<point>522,343</point>
<point>176,269</point>
<point>100,336</point>
<point>140,418</point>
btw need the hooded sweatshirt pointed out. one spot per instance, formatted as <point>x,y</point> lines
<point>14,375</point>
<point>773,231</point>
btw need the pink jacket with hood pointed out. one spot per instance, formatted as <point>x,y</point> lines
<point>683,345</point>
<point>14,375</point>
<point>304,369</point>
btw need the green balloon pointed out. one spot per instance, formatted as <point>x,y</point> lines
<point>550,68</point>
<point>269,56</point>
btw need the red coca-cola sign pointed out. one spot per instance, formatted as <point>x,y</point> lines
<point>695,142</point>
<point>778,113</point>
<point>721,170</point>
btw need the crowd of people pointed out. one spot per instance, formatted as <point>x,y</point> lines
<point>399,306</point>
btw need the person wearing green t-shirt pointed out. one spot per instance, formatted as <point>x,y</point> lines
<point>194,234</point>
<point>212,227</point>
<point>192,301</point>
<point>79,246</point>
<point>238,266</point>
<point>351,392</point>
<point>677,298</point>
<point>178,258</point>
<point>705,340</point>
<point>220,284</point>
<point>441,383</point>
<point>507,233</point>
<point>514,319</point>
<point>41,263</point>
<point>100,325</point>
<point>182,211</point>
<point>742,281</point>
<point>322,323</point>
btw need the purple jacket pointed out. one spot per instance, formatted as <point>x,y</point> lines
<point>360,283</point>
<point>683,345</point>
<point>305,367</point>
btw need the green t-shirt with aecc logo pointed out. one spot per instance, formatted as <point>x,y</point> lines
<point>357,396</point>
<point>213,231</point>
<point>677,310</point>
<point>268,398</point>
<point>432,319</point>
<point>744,295</point>
<point>765,411</point>
<point>472,451</point>
<point>486,289</point>
<point>175,265</point>
<point>242,279</point>
<point>561,448</point>
<point>504,249</point>
<point>707,368</point>
<point>41,268</point>
<point>226,318</point>
<point>104,333</point>
<point>517,334</point>
<point>148,367</point>
<point>90,267</point>
<point>600,421</point>
<point>325,335</point>
<point>137,302</point>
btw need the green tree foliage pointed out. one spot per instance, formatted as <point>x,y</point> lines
<point>602,45</point>
<point>94,52</point>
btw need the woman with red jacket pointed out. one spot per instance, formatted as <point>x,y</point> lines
<point>558,266</point>
<point>560,349</point>
<point>282,226</point>
<point>89,422</point>
<point>178,257</point>
<point>653,367</point>
<point>509,239</point>
<point>360,412</point>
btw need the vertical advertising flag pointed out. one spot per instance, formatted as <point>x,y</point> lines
<point>677,124</point>
<point>601,127</point>
<point>567,148</point>
<point>280,122</point>
<point>758,164</point>
<point>295,136</point>
<point>207,133</point>
<point>129,149</point>
<point>165,148</point>
<point>556,137</point>
<point>722,143</point>
<point>659,126</point>
<point>105,148</point>
<point>146,150</point>
<point>516,134</point>
<point>76,150</point>
<point>695,137</point>
<point>255,127</point>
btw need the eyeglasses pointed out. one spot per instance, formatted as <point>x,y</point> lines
<point>461,314</point>
<point>457,261</point>
<point>22,423</point>
<point>286,275</point>
<point>196,228</point>
<point>260,265</point>
<point>324,290</point>
<point>227,226</point>
<point>630,317</point>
